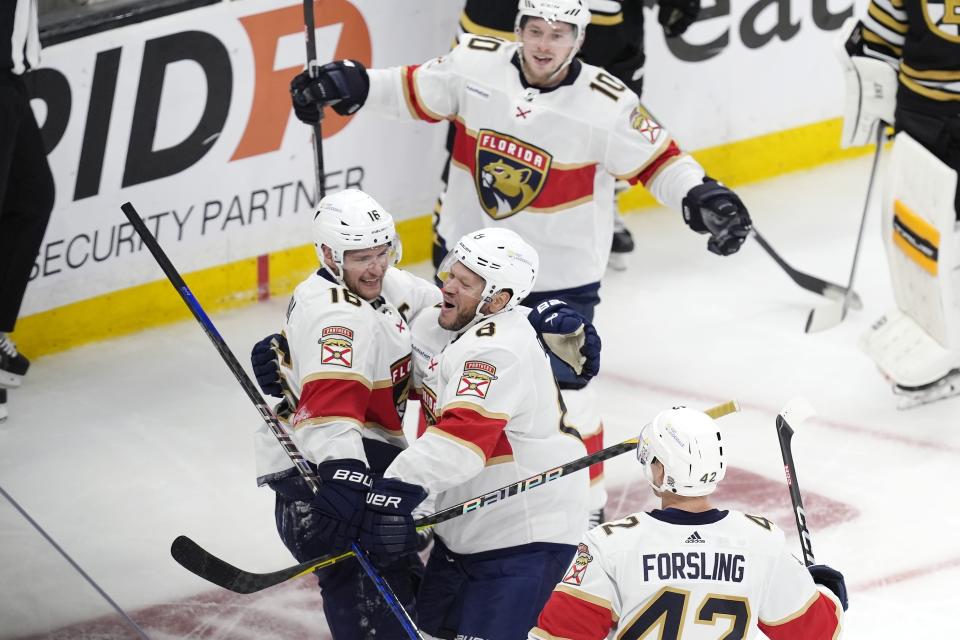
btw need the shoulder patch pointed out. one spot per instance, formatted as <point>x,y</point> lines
<point>476,379</point>
<point>645,125</point>
<point>579,567</point>
<point>336,343</point>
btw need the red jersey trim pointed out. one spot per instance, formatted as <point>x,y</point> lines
<point>819,619</point>
<point>413,99</point>
<point>480,433</point>
<point>332,397</point>
<point>568,616</point>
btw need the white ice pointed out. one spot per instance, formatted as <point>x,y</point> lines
<point>118,447</point>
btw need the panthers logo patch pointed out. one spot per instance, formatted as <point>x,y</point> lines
<point>400,378</point>
<point>509,173</point>
<point>476,379</point>
<point>645,125</point>
<point>943,18</point>
<point>579,567</point>
<point>336,346</point>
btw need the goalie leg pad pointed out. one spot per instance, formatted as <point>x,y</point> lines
<point>922,240</point>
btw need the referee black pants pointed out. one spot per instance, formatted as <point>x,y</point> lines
<point>26,195</point>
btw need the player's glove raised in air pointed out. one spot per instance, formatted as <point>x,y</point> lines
<point>388,531</point>
<point>342,84</point>
<point>339,505</point>
<point>676,15</point>
<point>264,358</point>
<point>831,579</point>
<point>569,336</point>
<point>712,208</point>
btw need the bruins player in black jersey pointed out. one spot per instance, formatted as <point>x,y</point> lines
<point>614,41</point>
<point>921,40</point>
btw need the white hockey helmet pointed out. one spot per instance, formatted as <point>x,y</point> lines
<point>688,444</point>
<point>574,12</point>
<point>501,257</point>
<point>351,219</point>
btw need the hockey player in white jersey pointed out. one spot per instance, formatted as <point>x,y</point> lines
<point>345,364</point>
<point>540,140</point>
<point>493,416</point>
<point>688,570</point>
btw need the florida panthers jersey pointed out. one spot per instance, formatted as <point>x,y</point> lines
<point>349,367</point>
<point>540,162</point>
<point>493,417</point>
<point>671,574</point>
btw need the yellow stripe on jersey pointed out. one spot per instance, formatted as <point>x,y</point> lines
<point>887,20</point>
<point>336,375</point>
<point>470,26</point>
<point>918,239</point>
<point>872,37</point>
<point>946,76</point>
<point>498,460</point>
<point>587,597</point>
<point>387,431</point>
<point>928,92</point>
<point>319,422</point>
<point>606,20</point>
<point>477,409</point>
<point>794,615</point>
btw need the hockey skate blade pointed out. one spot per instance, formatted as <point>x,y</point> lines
<point>835,292</point>
<point>797,411</point>
<point>946,387</point>
<point>825,317</point>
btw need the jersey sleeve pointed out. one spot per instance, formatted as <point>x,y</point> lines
<point>884,31</point>
<point>641,151</point>
<point>427,92</point>
<point>335,347</point>
<point>794,608</point>
<point>583,605</point>
<point>483,389</point>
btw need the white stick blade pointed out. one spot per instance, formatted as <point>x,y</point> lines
<point>825,317</point>
<point>796,411</point>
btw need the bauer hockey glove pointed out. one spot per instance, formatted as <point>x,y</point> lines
<point>388,531</point>
<point>676,16</point>
<point>569,336</point>
<point>342,84</point>
<point>264,358</point>
<point>339,505</point>
<point>831,579</point>
<point>712,208</point>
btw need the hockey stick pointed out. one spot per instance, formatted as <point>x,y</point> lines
<point>197,560</point>
<point>796,411</point>
<point>805,280</point>
<point>310,29</point>
<point>288,445</point>
<point>822,318</point>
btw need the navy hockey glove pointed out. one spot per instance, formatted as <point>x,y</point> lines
<point>712,208</point>
<point>342,84</point>
<point>339,505</point>
<point>676,16</point>
<point>264,358</point>
<point>388,530</point>
<point>569,336</point>
<point>831,579</point>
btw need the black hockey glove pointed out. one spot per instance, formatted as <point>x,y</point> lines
<point>831,579</point>
<point>569,336</point>
<point>676,16</point>
<point>388,531</point>
<point>712,208</point>
<point>342,84</point>
<point>339,505</point>
<point>264,358</point>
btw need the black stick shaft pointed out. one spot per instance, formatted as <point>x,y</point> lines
<point>177,281</point>
<point>785,436</point>
<point>310,28</point>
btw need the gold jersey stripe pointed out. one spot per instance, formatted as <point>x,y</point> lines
<point>320,421</point>
<point>606,20</point>
<point>930,74</point>
<point>579,594</point>
<point>470,26</point>
<point>918,239</point>
<point>933,94</point>
<point>870,36</point>
<point>887,20</point>
<point>336,375</point>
